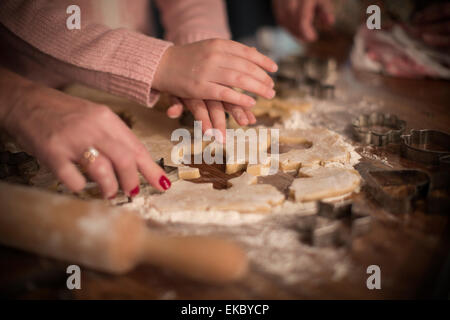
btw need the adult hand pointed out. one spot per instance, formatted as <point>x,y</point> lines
<point>432,25</point>
<point>57,129</point>
<point>209,69</point>
<point>298,16</point>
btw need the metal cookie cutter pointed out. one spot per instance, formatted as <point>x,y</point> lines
<point>166,168</point>
<point>338,225</point>
<point>396,190</point>
<point>323,91</point>
<point>365,128</point>
<point>426,146</point>
<point>430,147</point>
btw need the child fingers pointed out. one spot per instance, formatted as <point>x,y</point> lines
<point>174,111</point>
<point>243,81</point>
<point>214,91</point>
<point>217,114</point>
<point>250,116</point>
<point>247,67</point>
<point>251,54</point>
<point>238,114</point>
<point>200,112</point>
<point>176,108</point>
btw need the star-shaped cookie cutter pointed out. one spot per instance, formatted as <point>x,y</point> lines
<point>334,225</point>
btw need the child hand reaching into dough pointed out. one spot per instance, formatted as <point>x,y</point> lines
<point>207,70</point>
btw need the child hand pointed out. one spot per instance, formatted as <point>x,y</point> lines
<point>207,70</point>
<point>211,113</point>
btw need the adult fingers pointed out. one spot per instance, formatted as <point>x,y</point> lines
<point>200,112</point>
<point>152,172</point>
<point>238,114</point>
<point>67,173</point>
<point>124,162</point>
<point>326,11</point>
<point>102,172</point>
<point>217,114</point>
<point>306,18</point>
<point>243,81</point>
<point>176,108</point>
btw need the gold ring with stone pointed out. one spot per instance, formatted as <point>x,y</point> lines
<point>91,154</point>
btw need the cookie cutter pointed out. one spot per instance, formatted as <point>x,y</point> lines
<point>399,189</point>
<point>339,224</point>
<point>19,163</point>
<point>166,168</point>
<point>426,146</point>
<point>323,91</point>
<point>438,204</point>
<point>430,147</point>
<point>362,127</point>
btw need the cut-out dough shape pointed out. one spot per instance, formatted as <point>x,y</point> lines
<point>188,173</point>
<point>326,146</point>
<point>319,146</point>
<point>253,146</point>
<point>244,196</point>
<point>276,108</point>
<point>324,182</point>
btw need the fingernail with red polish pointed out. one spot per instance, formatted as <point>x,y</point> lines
<point>134,192</point>
<point>164,182</point>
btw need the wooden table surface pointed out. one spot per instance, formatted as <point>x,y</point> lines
<point>411,249</point>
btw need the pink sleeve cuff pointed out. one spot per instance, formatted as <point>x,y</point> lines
<point>135,62</point>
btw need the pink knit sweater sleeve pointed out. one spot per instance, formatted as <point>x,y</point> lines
<point>119,61</point>
<point>188,21</point>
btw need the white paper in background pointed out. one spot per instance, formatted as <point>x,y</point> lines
<point>274,42</point>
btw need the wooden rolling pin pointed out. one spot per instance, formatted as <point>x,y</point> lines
<point>108,239</point>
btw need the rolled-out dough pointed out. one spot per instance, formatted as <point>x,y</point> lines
<point>324,182</point>
<point>244,195</point>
